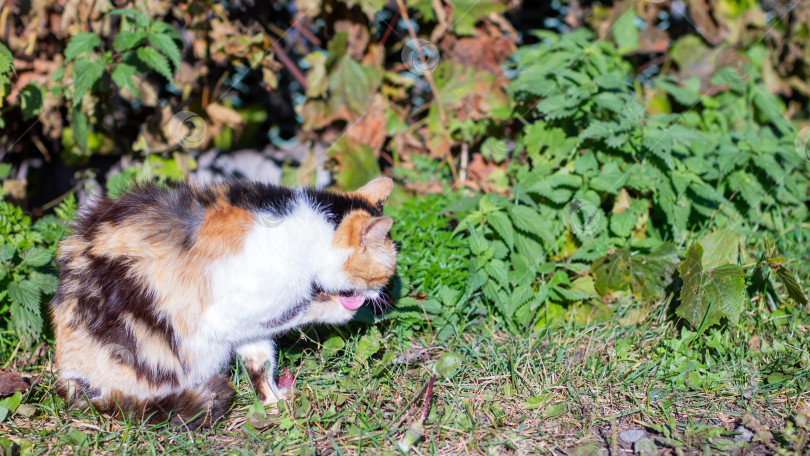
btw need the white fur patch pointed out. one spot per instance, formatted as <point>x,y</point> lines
<point>273,273</point>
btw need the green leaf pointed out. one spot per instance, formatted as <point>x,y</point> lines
<point>368,345</point>
<point>646,275</point>
<point>472,11</point>
<point>7,252</point>
<point>166,44</point>
<point>538,401</point>
<point>496,269</point>
<point>164,28</point>
<point>48,283</point>
<point>449,296</point>
<point>6,60</point>
<point>769,106</point>
<point>449,364</point>
<point>357,163</point>
<point>122,77</point>
<point>126,40</point>
<point>501,224</point>
<point>155,60</point>
<point>141,20</point>
<point>495,149</point>
<point>12,402</point>
<point>622,224</point>
<point>687,95</point>
<point>81,43</point>
<point>625,32</point>
<point>257,415</point>
<point>354,85</point>
<point>792,286</point>
<point>333,344</point>
<point>431,307</point>
<point>85,74</point>
<point>31,97</point>
<point>24,293</point>
<point>79,126</point>
<point>27,321</point>
<point>719,248</point>
<point>36,256</point>
<point>708,296</point>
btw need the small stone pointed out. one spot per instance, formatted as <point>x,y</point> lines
<point>743,434</point>
<point>632,435</point>
<point>645,447</point>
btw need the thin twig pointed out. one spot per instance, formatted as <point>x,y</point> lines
<point>290,65</point>
<point>427,398</point>
<point>465,158</point>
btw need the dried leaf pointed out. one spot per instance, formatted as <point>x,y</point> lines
<point>12,382</point>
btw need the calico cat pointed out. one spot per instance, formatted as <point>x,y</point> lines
<point>158,289</point>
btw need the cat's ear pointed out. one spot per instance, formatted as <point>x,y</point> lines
<point>377,229</point>
<point>377,190</point>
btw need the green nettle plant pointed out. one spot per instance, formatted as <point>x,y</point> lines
<point>607,191</point>
<point>27,277</point>
<point>141,46</point>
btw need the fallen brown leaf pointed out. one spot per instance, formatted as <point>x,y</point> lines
<point>11,382</point>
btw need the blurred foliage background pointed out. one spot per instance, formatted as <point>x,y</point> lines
<point>562,135</point>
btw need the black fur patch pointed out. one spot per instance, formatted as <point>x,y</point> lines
<point>288,315</point>
<point>192,408</point>
<point>337,205</point>
<point>258,379</point>
<point>179,208</point>
<point>112,293</point>
<point>280,201</point>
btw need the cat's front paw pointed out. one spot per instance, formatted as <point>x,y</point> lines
<point>283,388</point>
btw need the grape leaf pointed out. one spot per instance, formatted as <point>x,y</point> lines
<point>719,248</point>
<point>709,295</point>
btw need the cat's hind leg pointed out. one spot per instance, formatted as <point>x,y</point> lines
<point>260,359</point>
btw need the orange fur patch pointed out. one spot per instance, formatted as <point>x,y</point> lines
<point>369,265</point>
<point>222,231</point>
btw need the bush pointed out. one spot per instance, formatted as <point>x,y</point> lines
<point>27,278</point>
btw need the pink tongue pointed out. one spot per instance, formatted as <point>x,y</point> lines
<point>352,302</point>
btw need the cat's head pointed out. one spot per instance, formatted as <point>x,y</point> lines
<point>373,258</point>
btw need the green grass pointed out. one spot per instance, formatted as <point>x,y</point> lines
<point>574,386</point>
